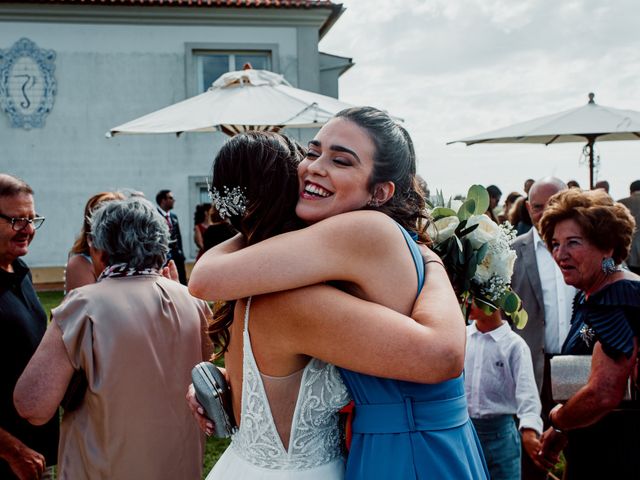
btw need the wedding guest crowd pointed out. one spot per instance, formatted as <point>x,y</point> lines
<point>118,352</point>
<point>508,205</point>
<point>130,340</point>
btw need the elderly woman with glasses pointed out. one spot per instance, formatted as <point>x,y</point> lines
<point>133,337</point>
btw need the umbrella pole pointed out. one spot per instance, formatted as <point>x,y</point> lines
<point>590,142</point>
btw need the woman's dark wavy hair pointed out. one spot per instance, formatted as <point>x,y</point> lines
<point>265,166</point>
<point>394,160</point>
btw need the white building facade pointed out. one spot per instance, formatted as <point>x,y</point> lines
<point>73,69</point>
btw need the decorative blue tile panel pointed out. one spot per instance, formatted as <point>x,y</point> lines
<point>27,84</point>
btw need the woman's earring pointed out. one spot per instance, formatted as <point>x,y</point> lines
<point>373,202</point>
<point>609,266</point>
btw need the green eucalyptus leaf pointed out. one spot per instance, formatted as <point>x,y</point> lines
<point>521,319</point>
<point>460,227</point>
<point>482,252</point>
<point>466,209</point>
<point>462,232</point>
<point>441,212</point>
<point>472,266</point>
<point>481,197</point>
<point>510,303</point>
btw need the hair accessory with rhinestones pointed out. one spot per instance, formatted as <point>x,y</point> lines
<point>231,202</point>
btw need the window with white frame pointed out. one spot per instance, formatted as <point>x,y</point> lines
<point>205,62</point>
<point>211,64</point>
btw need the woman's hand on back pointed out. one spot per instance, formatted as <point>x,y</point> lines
<point>170,271</point>
<point>198,412</point>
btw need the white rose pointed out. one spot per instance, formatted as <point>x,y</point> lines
<point>487,230</point>
<point>443,228</point>
<point>504,264</point>
<point>483,270</point>
<point>497,262</point>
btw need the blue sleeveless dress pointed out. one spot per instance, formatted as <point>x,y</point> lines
<point>409,430</point>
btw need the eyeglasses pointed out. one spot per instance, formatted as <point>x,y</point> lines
<point>19,224</point>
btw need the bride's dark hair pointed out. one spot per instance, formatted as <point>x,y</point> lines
<point>264,165</point>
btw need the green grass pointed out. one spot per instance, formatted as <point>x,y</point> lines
<point>50,300</point>
<point>213,450</point>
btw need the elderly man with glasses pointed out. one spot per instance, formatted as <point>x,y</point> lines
<point>26,451</point>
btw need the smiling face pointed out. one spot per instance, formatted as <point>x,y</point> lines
<point>334,176</point>
<point>579,260</point>
<point>15,244</point>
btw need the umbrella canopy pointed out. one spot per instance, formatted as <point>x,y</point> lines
<point>587,123</point>
<point>238,101</point>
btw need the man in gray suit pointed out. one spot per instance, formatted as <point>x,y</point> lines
<point>632,202</point>
<point>546,298</point>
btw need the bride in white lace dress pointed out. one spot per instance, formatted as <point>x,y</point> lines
<point>285,399</point>
<point>297,435</point>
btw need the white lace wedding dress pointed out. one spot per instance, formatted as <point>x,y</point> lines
<point>257,452</point>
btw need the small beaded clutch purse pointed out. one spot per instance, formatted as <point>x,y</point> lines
<point>213,393</point>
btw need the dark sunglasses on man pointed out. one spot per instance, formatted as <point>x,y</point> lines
<point>19,224</point>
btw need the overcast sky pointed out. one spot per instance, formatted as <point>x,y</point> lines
<point>456,68</point>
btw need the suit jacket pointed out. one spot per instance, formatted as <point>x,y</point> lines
<point>633,204</point>
<point>526,283</point>
<point>176,239</point>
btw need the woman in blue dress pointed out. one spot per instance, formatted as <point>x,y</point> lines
<point>362,160</point>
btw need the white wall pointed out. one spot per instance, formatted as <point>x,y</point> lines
<point>106,75</point>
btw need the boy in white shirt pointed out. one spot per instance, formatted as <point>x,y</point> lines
<point>500,384</point>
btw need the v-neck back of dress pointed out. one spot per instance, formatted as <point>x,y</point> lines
<point>314,439</point>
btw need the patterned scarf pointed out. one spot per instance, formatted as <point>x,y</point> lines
<point>124,270</point>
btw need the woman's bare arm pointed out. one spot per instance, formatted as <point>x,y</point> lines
<point>197,237</point>
<point>338,248</point>
<point>329,324</point>
<point>603,392</point>
<point>44,381</point>
<point>438,311</point>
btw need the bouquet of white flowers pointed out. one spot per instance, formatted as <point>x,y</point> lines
<point>477,254</point>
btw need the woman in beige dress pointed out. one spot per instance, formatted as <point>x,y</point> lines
<point>134,336</point>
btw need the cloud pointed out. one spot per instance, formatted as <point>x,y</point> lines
<point>454,69</point>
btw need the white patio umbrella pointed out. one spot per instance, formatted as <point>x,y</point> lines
<point>591,122</point>
<point>238,101</point>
